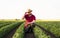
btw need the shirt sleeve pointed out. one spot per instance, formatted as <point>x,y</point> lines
<point>25,14</point>
<point>34,17</point>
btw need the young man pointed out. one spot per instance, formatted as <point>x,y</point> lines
<point>29,18</point>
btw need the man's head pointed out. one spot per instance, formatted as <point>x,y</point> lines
<point>29,11</point>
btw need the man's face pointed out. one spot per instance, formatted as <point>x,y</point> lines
<point>29,13</point>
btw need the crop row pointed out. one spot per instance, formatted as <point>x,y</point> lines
<point>19,32</point>
<point>6,29</point>
<point>53,27</point>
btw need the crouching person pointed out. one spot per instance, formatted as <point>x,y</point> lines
<point>29,20</point>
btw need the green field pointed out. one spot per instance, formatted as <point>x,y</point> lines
<point>52,26</point>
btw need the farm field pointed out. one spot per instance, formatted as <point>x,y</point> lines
<point>52,26</point>
<point>15,29</point>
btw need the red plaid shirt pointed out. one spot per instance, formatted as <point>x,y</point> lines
<point>29,18</point>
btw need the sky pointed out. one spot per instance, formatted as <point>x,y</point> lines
<point>42,9</point>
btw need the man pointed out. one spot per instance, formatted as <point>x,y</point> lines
<point>29,18</point>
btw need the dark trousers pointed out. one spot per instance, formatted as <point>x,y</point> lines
<point>29,28</point>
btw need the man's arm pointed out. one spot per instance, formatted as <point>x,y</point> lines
<point>25,14</point>
<point>23,17</point>
<point>34,20</point>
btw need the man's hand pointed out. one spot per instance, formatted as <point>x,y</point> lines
<point>23,17</point>
<point>33,21</point>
